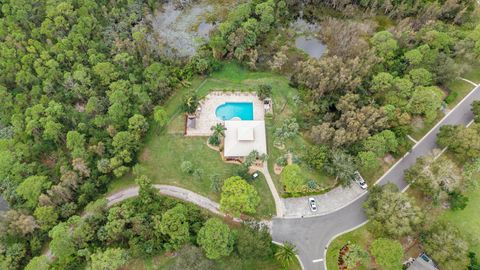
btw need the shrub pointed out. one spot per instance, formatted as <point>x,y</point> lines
<point>187,167</point>
<point>451,97</point>
<point>315,156</point>
<point>312,184</point>
<point>214,140</point>
<point>197,174</point>
<point>292,179</point>
<point>264,91</point>
<point>215,183</point>
<point>282,161</point>
<point>457,200</point>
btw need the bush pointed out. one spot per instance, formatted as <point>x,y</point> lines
<point>264,91</point>
<point>282,161</point>
<point>457,200</point>
<point>315,156</point>
<point>292,179</point>
<point>197,174</point>
<point>312,184</point>
<point>451,97</point>
<point>187,167</point>
<point>214,140</point>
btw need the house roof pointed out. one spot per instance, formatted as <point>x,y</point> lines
<point>420,264</point>
<point>242,137</point>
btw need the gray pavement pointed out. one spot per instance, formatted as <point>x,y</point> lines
<point>331,201</point>
<point>312,235</point>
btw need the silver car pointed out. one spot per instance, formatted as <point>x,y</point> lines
<point>360,181</point>
<point>313,204</point>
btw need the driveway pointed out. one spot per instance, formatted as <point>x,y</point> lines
<point>312,235</point>
<point>331,201</point>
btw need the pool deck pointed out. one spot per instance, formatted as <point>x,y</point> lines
<point>206,117</point>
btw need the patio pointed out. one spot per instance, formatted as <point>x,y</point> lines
<point>205,116</point>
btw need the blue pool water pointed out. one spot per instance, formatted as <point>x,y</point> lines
<point>229,110</point>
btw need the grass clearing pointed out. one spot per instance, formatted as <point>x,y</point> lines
<point>460,89</point>
<point>473,74</point>
<point>468,219</point>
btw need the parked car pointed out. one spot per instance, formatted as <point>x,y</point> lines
<point>359,180</point>
<point>313,204</point>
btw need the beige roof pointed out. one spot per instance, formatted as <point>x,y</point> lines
<point>242,137</point>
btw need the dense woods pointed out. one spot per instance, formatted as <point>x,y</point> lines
<point>79,80</point>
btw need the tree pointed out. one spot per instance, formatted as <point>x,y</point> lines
<point>391,212</point>
<point>138,125</point>
<point>435,177</point>
<point>17,223</point>
<point>385,45</point>
<point>160,116</point>
<point>420,77</point>
<point>216,239</point>
<point>457,200</point>
<point>254,241</point>
<point>174,223</point>
<point>382,83</point>
<point>292,179</point>
<point>426,101</point>
<point>62,244</point>
<point>464,142</point>
<point>110,259</point>
<point>381,143</point>
<point>387,253</point>
<point>46,217</point>
<point>238,196</point>
<point>286,253</point>
<point>355,256</point>
<point>368,161</point>
<point>190,103</point>
<point>342,166</point>
<point>38,263</point>
<point>315,156</point>
<point>218,129</point>
<point>476,111</point>
<point>445,244</point>
<point>191,258</point>
<point>31,188</point>
<point>264,91</point>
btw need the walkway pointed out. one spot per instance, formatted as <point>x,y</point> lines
<point>313,235</point>
<point>279,205</point>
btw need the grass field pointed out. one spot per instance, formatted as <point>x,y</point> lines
<point>468,220</point>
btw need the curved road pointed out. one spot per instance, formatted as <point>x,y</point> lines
<point>313,235</point>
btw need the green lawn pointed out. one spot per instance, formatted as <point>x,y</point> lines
<point>468,219</point>
<point>461,88</point>
<point>473,74</point>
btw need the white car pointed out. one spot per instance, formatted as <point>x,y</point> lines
<point>360,181</point>
<point>313,204</point>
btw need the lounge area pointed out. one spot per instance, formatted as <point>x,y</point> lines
<point>212,110</point>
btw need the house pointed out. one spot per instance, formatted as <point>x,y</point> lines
<point>242,137</point>
<point>422,262</point>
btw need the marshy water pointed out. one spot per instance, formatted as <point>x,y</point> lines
<point>176,29</point>
<point>306,39</point>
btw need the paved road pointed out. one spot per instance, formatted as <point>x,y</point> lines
<point>312,235</point>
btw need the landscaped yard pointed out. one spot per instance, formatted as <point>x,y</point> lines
<point>165,150</point>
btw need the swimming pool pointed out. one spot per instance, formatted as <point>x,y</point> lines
<point>229,110</point>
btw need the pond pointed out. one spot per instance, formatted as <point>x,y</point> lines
<point>314,47</point>
<point>306,39</point>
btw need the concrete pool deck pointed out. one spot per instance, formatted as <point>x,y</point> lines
<point>206,117</point>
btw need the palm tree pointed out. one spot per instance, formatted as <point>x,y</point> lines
<point>286,254</point>
<point>218,129</point>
